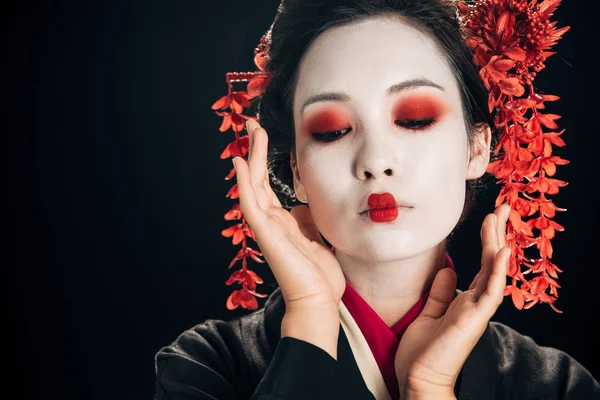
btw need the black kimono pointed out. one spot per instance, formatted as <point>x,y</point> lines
<point>245,358</point>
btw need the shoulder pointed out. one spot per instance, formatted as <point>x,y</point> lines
<point>217,357</point>
<point>214,340</point>
<point>525,367</point>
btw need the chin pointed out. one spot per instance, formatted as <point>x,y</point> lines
<point>388,247</point>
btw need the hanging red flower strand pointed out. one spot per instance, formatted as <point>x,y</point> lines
<point>231,108</point>
<point>510,40</point>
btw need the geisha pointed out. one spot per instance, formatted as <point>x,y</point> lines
<point>373,130</point>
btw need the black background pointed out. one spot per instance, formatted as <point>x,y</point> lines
<point>120,190</point>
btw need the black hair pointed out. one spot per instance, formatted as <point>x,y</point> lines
<point>302,21</point>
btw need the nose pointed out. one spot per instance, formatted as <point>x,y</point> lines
<point>375,158</point>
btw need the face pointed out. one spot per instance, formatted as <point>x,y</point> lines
<point>378,110</point>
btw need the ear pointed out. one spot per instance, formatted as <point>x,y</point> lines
<point>480,152</point>
<point>298,185</point>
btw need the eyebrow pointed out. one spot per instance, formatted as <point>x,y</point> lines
<point>398,87</point>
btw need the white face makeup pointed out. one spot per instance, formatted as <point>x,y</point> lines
<point>386,89</point>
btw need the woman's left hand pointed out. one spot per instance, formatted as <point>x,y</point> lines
<point>435,346</point>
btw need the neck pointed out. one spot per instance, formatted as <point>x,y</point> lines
<point>392,288</point>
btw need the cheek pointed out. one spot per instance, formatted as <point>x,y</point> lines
<point>324,176</point>
<point>441,162</point>
<point>320,170</point>
<point>324,186</point>
<point>440,185</point>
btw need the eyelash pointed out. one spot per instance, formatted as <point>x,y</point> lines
<point>412,124</point>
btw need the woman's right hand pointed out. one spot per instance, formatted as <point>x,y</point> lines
<point>306,270</point>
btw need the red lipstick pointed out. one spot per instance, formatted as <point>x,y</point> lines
<point>382,207</point>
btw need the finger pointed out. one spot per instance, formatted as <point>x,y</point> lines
<point>248,202</point>
<point>494,294</point>
<point>441,294</point>
<point>306,224</point>
<point>489,248</point>
<point>502,217</point>
<point>258,153</point>
<point>262,150</point>
<point>259,175</point>
<point>273,200</point>
<point>251,126</point>
<point>501,213</point>
<point>475,281</point>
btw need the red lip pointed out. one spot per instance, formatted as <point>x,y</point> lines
<point>382,207</point>
<point>382,200</point>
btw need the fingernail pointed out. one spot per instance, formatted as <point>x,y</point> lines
<point>246,124</point>
<point>233,161</point>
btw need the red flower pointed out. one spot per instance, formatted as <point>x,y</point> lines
<point>237,148</point>
<point>547,207</point>
<point>518,225</point>
<point>548,120</point>
<point>232,120</point>
<point>542,144</point>
<point>511,86</point>
<point>524,208</point>
<point>544,265</point>
<point>548,164</point>
<point>234,213</point>
<point>506,167</point>
<point>244,297</point>
<point>499,31</point>
<point>233,192</point>
<point>516,53</point>
<point>230,174</point>
<point>513,267</point>
<point>510,193</point>
<point>546,225</point>
<point>239,232</point>
<point>517,295</point>
<point>545,247</point>
<point>546,185</point>
<point>542,283</point>
<point>244,253</point>
<point>234,100</point>
<point>260,60</point>
<point>245,276</point>
<point>257,85</point>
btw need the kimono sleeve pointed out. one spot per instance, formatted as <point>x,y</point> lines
<point>541,372</point>
<point>573,380</point>
<point>199,366</point>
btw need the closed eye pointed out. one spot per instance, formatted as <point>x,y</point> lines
<point>415,124</point>
<point>412,124</point>
<point>330,136</point>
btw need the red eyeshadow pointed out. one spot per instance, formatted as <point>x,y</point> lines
<point>419,107</point>
<point>326,121</point>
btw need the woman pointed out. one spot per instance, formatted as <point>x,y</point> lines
<point>376,118</point>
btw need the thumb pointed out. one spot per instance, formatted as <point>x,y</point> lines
<point>441,294</point>
<point>306,224</point>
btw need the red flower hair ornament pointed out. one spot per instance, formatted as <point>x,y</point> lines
<point>510,40</point>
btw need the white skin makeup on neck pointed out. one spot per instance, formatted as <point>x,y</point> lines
<point>377,109</point>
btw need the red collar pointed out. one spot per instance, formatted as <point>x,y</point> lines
<point>383,340</point>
